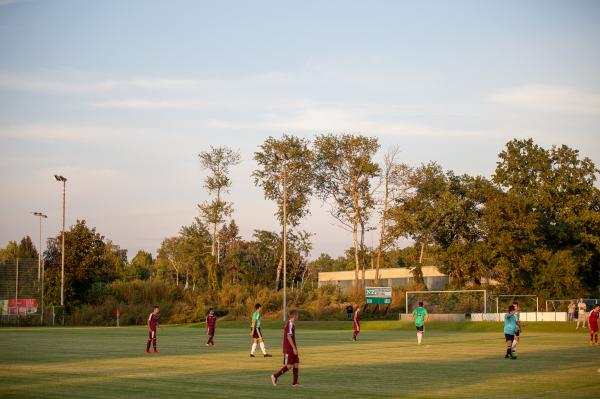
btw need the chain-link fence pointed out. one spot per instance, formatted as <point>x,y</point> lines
<point>20,292</point>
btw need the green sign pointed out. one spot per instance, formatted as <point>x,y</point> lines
<point>378,295</point>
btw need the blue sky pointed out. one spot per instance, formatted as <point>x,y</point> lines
<point>120,97</point>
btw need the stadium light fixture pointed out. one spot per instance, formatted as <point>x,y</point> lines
<point>62,179</point>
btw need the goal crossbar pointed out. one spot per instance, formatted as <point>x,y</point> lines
<point>445,292</point>
<point>537,303</point>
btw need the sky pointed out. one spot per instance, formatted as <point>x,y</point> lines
<point>121,97</point>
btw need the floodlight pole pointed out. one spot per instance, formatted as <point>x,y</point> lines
<point>40,265</point>
<point>284,238</point>
<point>62,261</point>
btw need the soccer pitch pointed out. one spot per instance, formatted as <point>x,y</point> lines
<point>455,360</point>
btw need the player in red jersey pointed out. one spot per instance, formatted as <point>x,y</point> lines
<point>152,325</point>
<point>290,350</point>
<point>211,325</point>
<point>593,324</point>
<point>356,323</point>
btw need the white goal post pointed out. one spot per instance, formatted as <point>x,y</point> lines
<point>485,295</point>
<point>537,302</point>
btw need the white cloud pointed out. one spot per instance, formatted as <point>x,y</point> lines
<point>82,86</point>
<point>154,104</point>
<point>52,132</point>
<point>549,99</point>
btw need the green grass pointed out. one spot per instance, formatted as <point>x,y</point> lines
<point>455,360</point>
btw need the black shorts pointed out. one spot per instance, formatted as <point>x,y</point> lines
<point>257,333</point>
<point>509,337</point>
<point>420,328</point>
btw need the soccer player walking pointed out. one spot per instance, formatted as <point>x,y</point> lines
<point>510,326</point>
<point>420,316</point>
<point>290,350</point>
<point>593,324</point>
<point>256,333</point>
<point>356,323</point>
<point>152,326</point>
<point>211,324</point>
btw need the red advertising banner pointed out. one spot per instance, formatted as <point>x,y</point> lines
<point>23,306</point>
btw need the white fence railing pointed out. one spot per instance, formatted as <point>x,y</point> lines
<point>525,316</point>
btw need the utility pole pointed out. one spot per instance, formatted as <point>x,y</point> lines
<point>40,265</point>
<point>62,251</point>
<point>284,237</point>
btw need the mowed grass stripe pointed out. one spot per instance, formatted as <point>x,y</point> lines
<point>103,363</point>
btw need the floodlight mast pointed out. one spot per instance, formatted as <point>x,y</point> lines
<point>40,215</point>
<point>62,179</point>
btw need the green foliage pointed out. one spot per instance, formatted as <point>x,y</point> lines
<point>543,224</point>
<point>88,260</point>
<point>24,249</point>
<point>285,166</point>
<point>141,267</point>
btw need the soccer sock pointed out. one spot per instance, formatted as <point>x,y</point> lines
<point>596,337</point>
<point>148,345</point>
<point>514,344</point>
<point>295,375</point>
<point>154,343</point>
<point>281,372</point>
<point>253,348</point>
<point>419,337</point>
<point>262,348</point>
<point>509,351</point>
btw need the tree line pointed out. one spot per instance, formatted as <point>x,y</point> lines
<point>533,226</point>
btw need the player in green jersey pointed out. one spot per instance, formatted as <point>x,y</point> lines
<point>256,333</point>
<point>420,316</point>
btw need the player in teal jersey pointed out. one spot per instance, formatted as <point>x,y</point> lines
<point>420,315</point>
<point>510,326</point>
<point>518,329</point>
<point>256,333</point>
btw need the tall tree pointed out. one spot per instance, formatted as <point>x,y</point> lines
<point>285,174</point>
<point>218,162</point>
<point>446,210</point>
<point>543,221</point>
<point>87,262</point>
<point>344,168</point>
<point>396,185</point>
<point>141,266</point>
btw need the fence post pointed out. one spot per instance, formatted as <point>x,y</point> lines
<point>17,288</point>
<point>484,301</point>
<point>537,308</point>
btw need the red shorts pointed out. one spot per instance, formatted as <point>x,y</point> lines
<point>290,358</point>
<point>356,327</point>
<point>211,331</point>
<point>152,334</point>
<point>594,328</point>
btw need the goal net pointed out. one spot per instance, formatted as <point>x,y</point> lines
<point>459,302</point>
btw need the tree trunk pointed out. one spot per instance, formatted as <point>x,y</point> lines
<point>382,233</point>
<point>356,259</point>
<point>362,251</point>
<point>278,274</point>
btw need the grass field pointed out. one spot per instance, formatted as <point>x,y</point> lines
<point>455,360</point>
